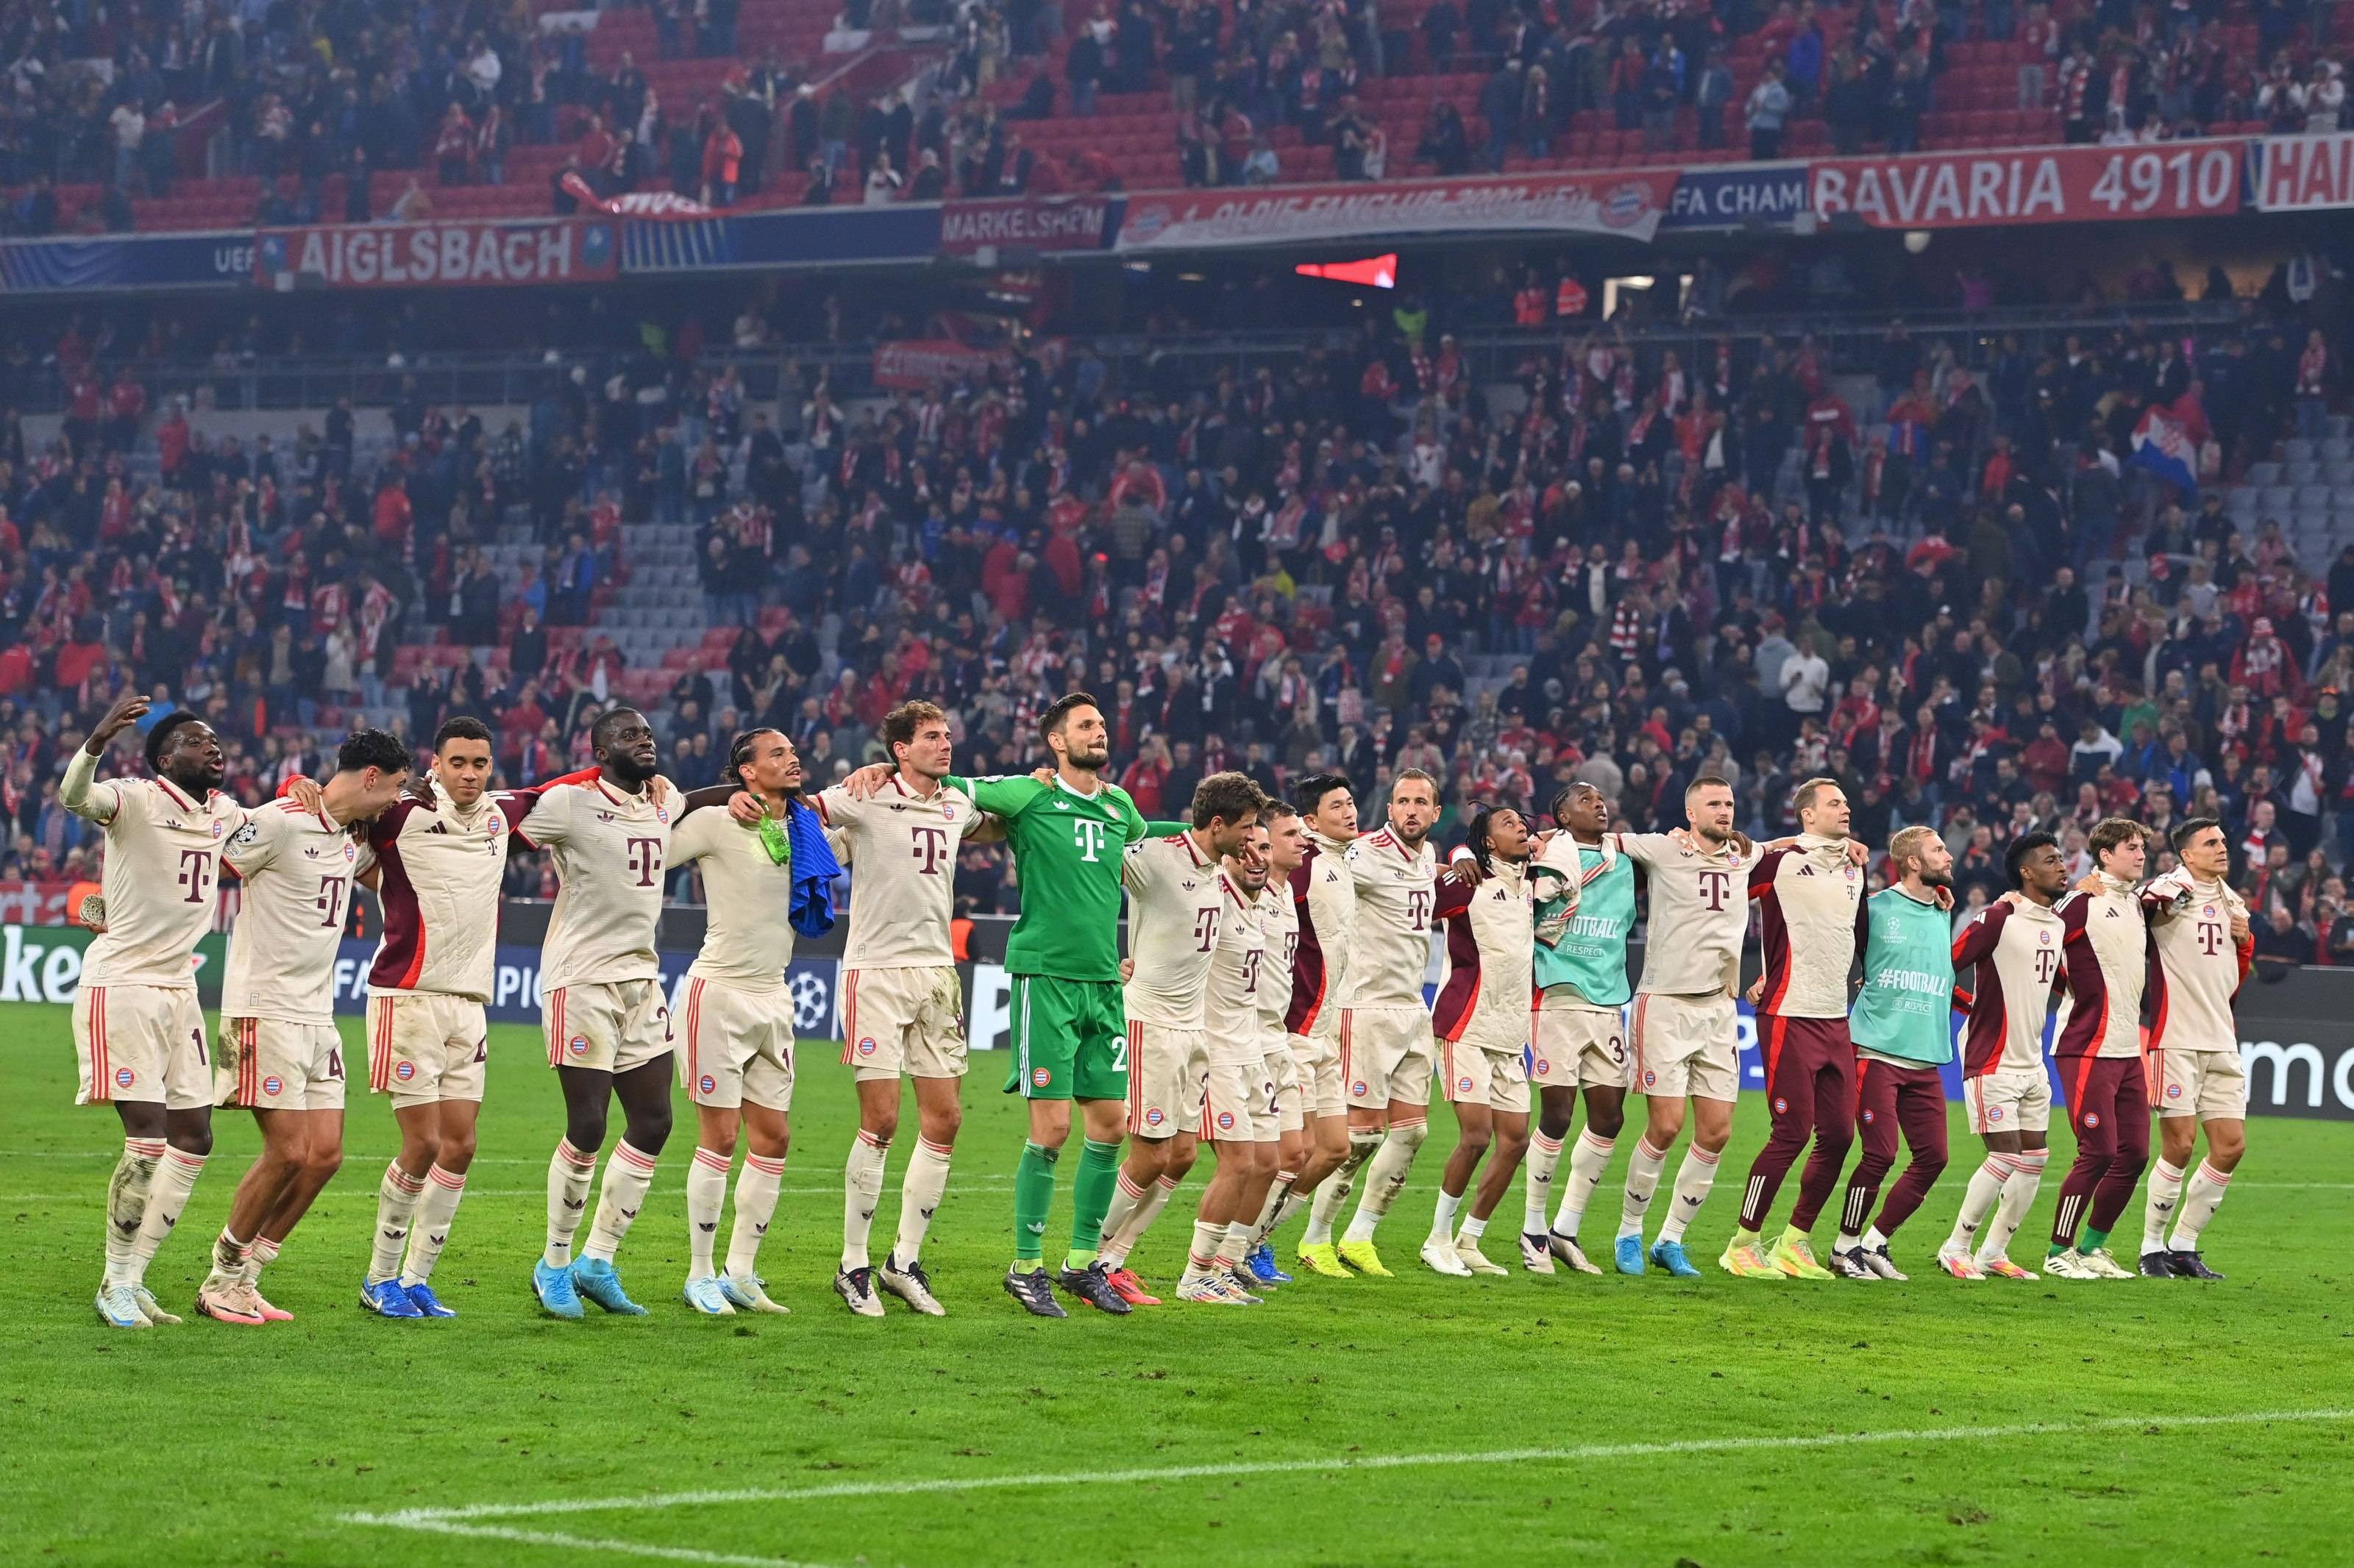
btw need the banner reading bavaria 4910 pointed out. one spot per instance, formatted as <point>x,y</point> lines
<point>2003,185</point>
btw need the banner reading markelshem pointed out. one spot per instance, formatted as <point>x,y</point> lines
<point>440,255</point>
<point>1629,202</point>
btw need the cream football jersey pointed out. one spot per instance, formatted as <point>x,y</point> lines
<point>1175,903</point>
<point>610,849</point>
<point>163,870</point>
<point>747,938</point>
<point>1238,974</point>
<point>902,848</point>
<point>1389,944</point>
<point>298,868</point>
<point>1698,913</point>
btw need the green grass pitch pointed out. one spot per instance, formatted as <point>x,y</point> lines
<point>1415,1421</point>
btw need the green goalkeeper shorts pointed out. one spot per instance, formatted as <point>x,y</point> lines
<point>1070,1038</point>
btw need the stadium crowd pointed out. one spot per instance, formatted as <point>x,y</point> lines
<point>1936,570</point>
<point>315,98</point>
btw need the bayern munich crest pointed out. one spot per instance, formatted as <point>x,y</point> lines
<point>1225,1121</point>
<point>1041,1076</point>
<point>406,1071</point>
<point>577,1044</point>
<point>124,1077</point>
<point>273,1085</point>
<point>867,1045</point>
<point>1153,1117</point>
<point>707,1083</point>
<point>2092,1118</point>
<point>1994,1113</point>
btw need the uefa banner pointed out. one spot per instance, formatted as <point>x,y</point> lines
<point>2000,186</point>
<point>2303,174</point>
<point>1629,204</point>
<point>439,255</point>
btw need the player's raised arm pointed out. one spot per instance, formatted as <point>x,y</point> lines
<point>81,792</point>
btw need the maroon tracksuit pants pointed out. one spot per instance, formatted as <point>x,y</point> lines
<point>1890,1099</point>
<point>1810,1085</point>
<point>2108,1111</point>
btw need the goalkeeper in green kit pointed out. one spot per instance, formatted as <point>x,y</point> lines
<point>1069,833</point>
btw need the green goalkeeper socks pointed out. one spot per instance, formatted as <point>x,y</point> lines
<point>1033,1199</point>
<point>2091,1238</point>
<point>1091,1198</point>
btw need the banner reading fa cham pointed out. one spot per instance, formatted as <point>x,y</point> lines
<point>1628,203</point>
<point>439,255</point>
<point>2037,184</point>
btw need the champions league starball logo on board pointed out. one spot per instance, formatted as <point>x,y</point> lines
<point>812,999</point>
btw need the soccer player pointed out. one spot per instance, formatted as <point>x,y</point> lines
<point>1583,894</point>
<point>1247,1132</point>
<point>1324,908</point>
<point>1070,1032</point>
<point>1904,1030</point>
<point>2199,929</point>
<point>1386,1050</point>
<point>1809,898</point>
<point>1176,902</point>
<point>436,858</point>
<point>139,1035</point>
<point>1286,849</point>
<point>279,1056</point>
<point>1481,1017</point>
<point>2097,1044</point>
<point>607,1018</point>
<point>2011,956</point>
<point>736,1025</point>
<point>1685,1027</point>
<point>902,1007</point>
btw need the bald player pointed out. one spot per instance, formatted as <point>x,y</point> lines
<point>1686,1029</point>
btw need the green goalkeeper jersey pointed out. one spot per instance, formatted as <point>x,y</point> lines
<point>1067,849</point>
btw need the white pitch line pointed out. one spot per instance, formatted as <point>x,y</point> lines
<point>471,1192</point>
<point>442,1519</point>
<point>589,1543</point>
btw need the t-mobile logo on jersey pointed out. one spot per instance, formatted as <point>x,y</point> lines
<point>1089,836</point>
<point>195,874</point>
<point>2211,937</point>
<point>931,849</point>
<point>1715,886</point>
<point>645,859</point>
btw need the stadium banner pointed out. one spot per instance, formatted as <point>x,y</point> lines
<point>461,255</point>
<point>41,903</point>
<point>916,363</point>
<point>1738,196</point>
<point>1629,204</point>
<point>2032,184</point>
<point>2303,174</point>
<point>1031,223</point>
<point>210,260</point>
<point>785,237</point>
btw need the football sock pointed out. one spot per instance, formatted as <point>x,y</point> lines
<point>1586,1159</point>
<point>2165,1195</point>
<point>1271,1211</point>
<point>229,1255</point>
<point>2093,1236</point>
<point>1873,1241</point>
<point>629,1171</point>
<point>396,1204</point>
<point>1201,1253</point>
<point>1473,1229</point>
<point>1333,1196</point>
<point>1385,1177</point>
<point>1536,1202</point>
<point>1644,1169</point>
<point>2198,1205</point>
<point>921,1189</point>
<point>1442,1223</point>
<point>568,1175</point>
<point>167,1197</point>
<point>1140,1216</point>
<point>2017,1197</point>
<point>1988,1183</point>
<point>1126,1198</point>
<point>1793,1236</point>
<point>1033,1200</point>
<point>1092,1197</point>
<point>861,1191</point>
<point>263,1252</point>
<point>430,1230</point>
<point>1694,1177</point>
<point>1241,1238</point>
<point>706,1195</point>
<point>126,1204</point>
<point>756,1204</point>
